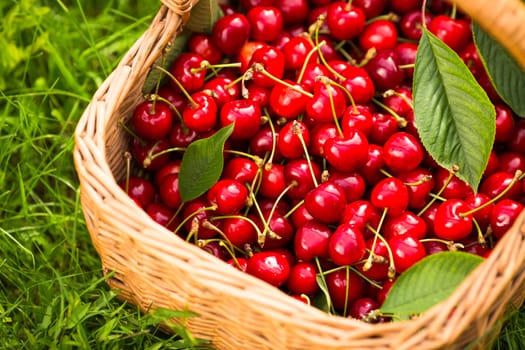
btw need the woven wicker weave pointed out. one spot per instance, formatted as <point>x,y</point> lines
<point>154,268</point>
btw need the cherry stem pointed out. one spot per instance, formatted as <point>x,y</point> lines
<point>423,15</point>
<point>407,66</point>
<point>371,53</point>
<point>377,235</point>
<point>177,82</point>
<point>151,156</point>
<point>347,288</point>
<point>424,179</point>
<point>155,97</point>
<point>518,175</point>
<point>296,131</point>
<point>274,136</point>
<point>388,16</point>
<point>345,90</point>
<point>127,157</point>
<point>259,68</point>
<point>392,92</point>
<point>294,208</point>
<point>481,238</point>
<point>335,269</point>
<point>129,131</point>
<point>253,157</point>
<point>451,245</point>
<point>307,59</point>
<point>401,122</point>
<point>206,65</point>
<point>451,174</point>
<point>262,236</point>
<point>190,217</point>
<point>323,284</point>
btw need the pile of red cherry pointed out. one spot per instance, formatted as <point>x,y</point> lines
<point>325,180</point>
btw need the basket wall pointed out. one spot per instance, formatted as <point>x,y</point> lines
<point>154,268</point>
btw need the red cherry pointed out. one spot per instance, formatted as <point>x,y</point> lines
<point>347,245</point>
<point>152,120</point>
<point>163,215</point>
<point>453,32</point>
<point>266,22</point>
<point>406,56</point>
<point>296,51</point>
<point>405,223</point>
<point>411,24</point>
<point>273,182</point>
<point>239,231</point>
<point>201,117</point>
<point>378,270</point>
<point>347,153</point>
<point>320,132</point>
<point>247,5</point>
<point>281,227</point>
<point>269,266</point>
<point>402,152</point>
<point>361,213</point>
<point>399,101</point>
<point>230,32</point>
<point>272,60</point>
<point>495,183</point>
<point>222,90</point>
<point>246,114</point>
<point>181,136</point>
<point>139,189</point>
<point>203,45</point>
<point>230,196</point>
<point>404,6</point>
<point>420,183</point>
<point>406,250</point>
<point>371,170</point>
<point>384,70</point>
<point>300,216</point>
<point>379,34</point>
<point>326,202</point>
<point>352,183</point>
<point>449,224</point>
<point>240,169</point>
<point>169,191</point>
<point>392,194</point>
<point>311,240</point>
<point>182,68</point>
<point>195,213</point>
<point>345,21</point>
<point>262,142</point>
<point>294,11</point>
<point>146,153</point>
<point>345,286</point>
<point>363,307</point>
<point>328,102</point>
<point>299,172</point>
<point>371,8</point>
<point>171,167</point>
<point>289,141</point>
<point>481,215</point>
<point>503,216</point>
<point>303,279</point>
<point>504,123</point>
<point>356,81</point>
<point>510,162</point>
<point>470,56</point>
<point>385,125</point>
<point>287,102</point>
<point>358,117</point>
<point>456,188</point>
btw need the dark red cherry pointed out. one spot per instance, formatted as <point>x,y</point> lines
<point>149,155</point>
<point>510,162</point>
<point>371,170</point>
<point>169,191</point>
<point>379,34</point>
<point>222,90</point>
<point>240,169</point>
<point>499,181</point>
<point>385,125</point>
<point>320,132</point>
<point>345,287</point>
<point>361,213</point>
<point>247,5</point>
<point>272,60</point>
<point>196,215</point>
<point>183,71</point>
<point>181,136</point>
<point>139,189</point>
<point>402,152</point>
<point>294,11</point>
<point>455,188</point>
<point>273,182</point>
<point>288,102</point>
<point>351,182</point>
<point>504,123</point>
<point>302,176</point>
<point>230,32</point>
<point>363,307</point>
<point>230,196</point>
<point>411,24</point>
<point>405,223</point>
<point>420,184</point>
<point>384,70</point>
<point>239,231</point>
<point>356,81</point>
<point>503,216</point>
<point>347,153</point>
<point>202,44</point>
<point>453,32</point>
<point>371,8</point>
<point>163,215</point>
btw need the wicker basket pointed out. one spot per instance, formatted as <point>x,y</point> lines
<point>154,268</point>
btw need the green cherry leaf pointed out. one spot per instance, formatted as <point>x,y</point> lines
<point>203,16</point>
<point>202,164</point>
<point>504,71</point>
<point>454,116</point>
<point>428,282</point>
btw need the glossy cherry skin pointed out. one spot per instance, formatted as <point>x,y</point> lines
<point>378,270</point>
<point>404,6</point>
<point>222,90</point>
<point>362,307</point>
<point>287,102</point>
<point>470,56</point>
<point>406,55</point>
<point>230,196</point>
<point>145,153</point>
<point>202,44</point>
<point>347,153</point>
<point>246,114</point>
<point>411,24</point>
<point>345,21</point>
<point>356,81</point>
<point>504,123</point>
<point>406,250</point>
<point>385,125</point>
<point>141,190</point>
<point>402,152</point>
<point>163,215</point>
<point>171,167</point>
<point>345,288</point>
<point>272,60</point>
<point>201,117</point>
<point>182,71</point>
<point>358,117</point>
<point>289,141</point>
<point>449,224</point>
<point>281,227</point>
<point>391,194</point>
<point>347,245</point>
<point>303,279</point>
<point>420,183</point>
<point>263,142</point>
<point>196,215</point>
<point>405,223</point>
<point>517,140</point>
<point>294,11</point>
<point>503,216</point>
<point>273,182</point>
<point>311,240</point>
<point>510,162</point>
<point>456,188</point>
<point>230,32</point>
<point>371,171</point>
<point>320,132</point>
<point>297,172</point>
<point>379,34</point>
<point>269,266</point>
<point>495,183</point>
<point>169,191</point>
<point>453,32</point>
<point>371,8</point>
<point>266,22</point>
<point>384,70</point>
<point>240,169</point>
<point>399,100</point>
<point>152,120</point>
<point>351,182</point>
<point>247,5</point>
<point>181,136</point>
<point>319,107</point>
<point>296,51</point>
<point>361,213</point>
<point>326,202</point>
<point>239,231</point>
<point>481,215</point>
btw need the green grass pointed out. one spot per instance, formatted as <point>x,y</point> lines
<point>53,56</point>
